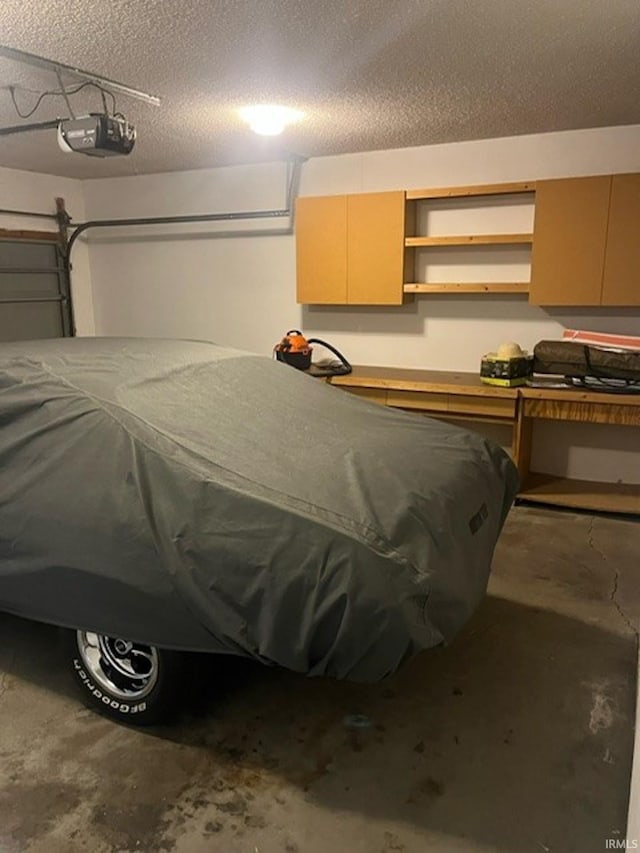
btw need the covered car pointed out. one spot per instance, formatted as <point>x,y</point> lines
<point>162,495</point>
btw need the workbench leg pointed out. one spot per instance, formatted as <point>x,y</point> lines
<point>522,445</point>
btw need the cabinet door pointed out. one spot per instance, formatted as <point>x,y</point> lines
<point>375,248</point>
<point>569,238</point>
<point>621,284</point>
<point>321,250</point>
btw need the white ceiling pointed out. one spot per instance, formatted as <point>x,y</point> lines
<point>369,74</point>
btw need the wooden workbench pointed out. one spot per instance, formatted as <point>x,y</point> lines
<point>462,396</point>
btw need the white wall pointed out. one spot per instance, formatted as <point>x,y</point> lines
<point>633,821</point>
<point>182,282</point>
<point>36,192</point>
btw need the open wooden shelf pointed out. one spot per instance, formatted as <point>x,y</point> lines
<point>480,189</point>
<point>415,241</point>
<point>468,287</point>
<point>470,240</point>
<point>582,494</point>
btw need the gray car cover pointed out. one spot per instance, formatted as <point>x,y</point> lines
<point>195,497</point>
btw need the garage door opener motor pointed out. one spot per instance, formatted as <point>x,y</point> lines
<point>296,350</point>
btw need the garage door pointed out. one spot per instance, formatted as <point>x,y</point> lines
<point>34,290</point>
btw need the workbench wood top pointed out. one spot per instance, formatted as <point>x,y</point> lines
<point>469,384</point>
<point>578,395</point>
<point>429,381</point>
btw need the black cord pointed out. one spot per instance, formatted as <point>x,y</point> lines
<point>57,93</point>
<point>15,104</point>
<point>597,383</point>
<point>334,370</point>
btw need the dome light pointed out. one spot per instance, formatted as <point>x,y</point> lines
<point>269,119</point>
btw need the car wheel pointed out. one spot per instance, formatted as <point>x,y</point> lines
<point>129,682</point>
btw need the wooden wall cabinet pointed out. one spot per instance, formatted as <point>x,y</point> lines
<point>569,238</point>
<point>350,249</point>
<point>357,249</point>
<point>321,250</point>
<point>621,281</point>
<point>585,242</point>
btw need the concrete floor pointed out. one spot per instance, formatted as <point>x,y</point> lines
<point>518,737</point>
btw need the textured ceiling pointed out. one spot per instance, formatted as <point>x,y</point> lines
<point>369,74</point>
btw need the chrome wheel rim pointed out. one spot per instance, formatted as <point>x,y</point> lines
<point>127,670</point>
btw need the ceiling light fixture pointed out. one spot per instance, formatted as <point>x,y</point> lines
<point>269,119</point>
